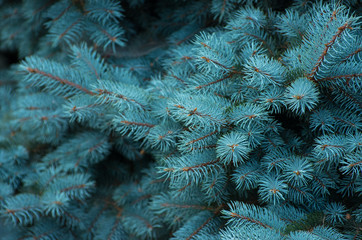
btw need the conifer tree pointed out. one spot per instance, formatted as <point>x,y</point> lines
<point>139,119</point>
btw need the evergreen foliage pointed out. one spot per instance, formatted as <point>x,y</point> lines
<point>221,120</point>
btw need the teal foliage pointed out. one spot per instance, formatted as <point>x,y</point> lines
<point>201,120</point>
